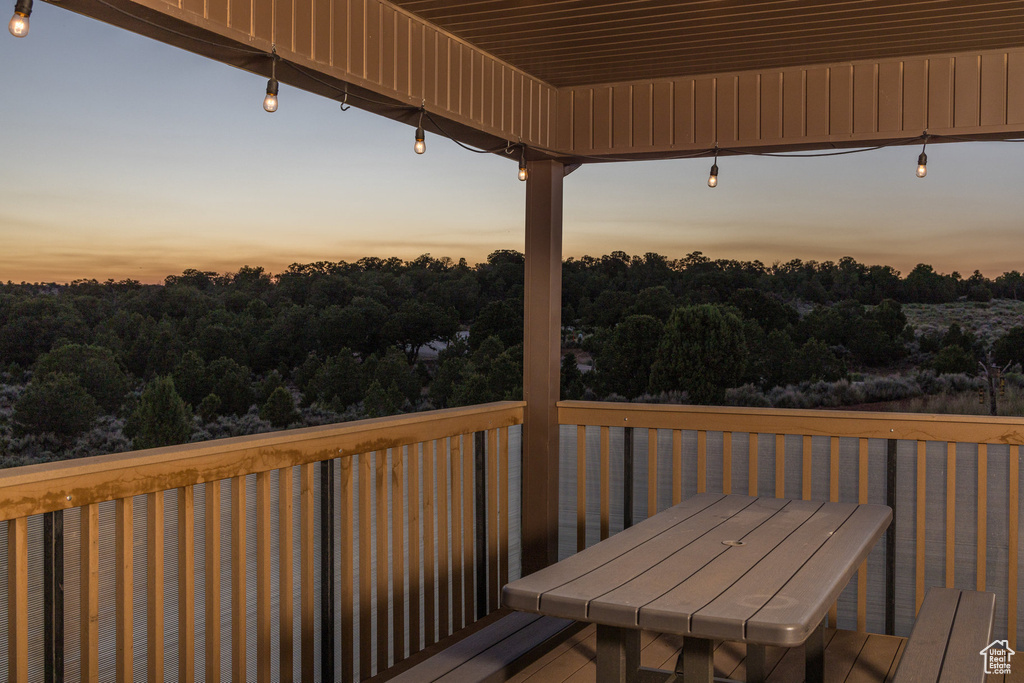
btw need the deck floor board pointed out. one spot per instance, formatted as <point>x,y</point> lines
<point>850,657</point>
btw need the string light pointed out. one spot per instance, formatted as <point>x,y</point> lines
<point>19,22</point>
<point>713,178</point>
<point>270,101</point>
<point>922,158</point>
<point>523,173</point>
<point>421,145</point>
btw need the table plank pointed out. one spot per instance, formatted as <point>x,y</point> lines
<point>725,616</point>
<point>791,614</point>
<point>525,593</point>
<point>612,593</point>
<point>672,611</point>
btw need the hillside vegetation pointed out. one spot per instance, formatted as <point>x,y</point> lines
<point>94,367</point>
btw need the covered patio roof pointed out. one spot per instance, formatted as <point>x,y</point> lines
<point>585,81</point>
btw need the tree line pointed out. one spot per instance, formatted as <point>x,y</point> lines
<point>99,366</point>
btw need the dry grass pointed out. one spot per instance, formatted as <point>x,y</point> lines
<point>961,403</point>
<point>988,320</point>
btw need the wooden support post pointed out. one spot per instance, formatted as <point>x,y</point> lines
<point>541,363</point>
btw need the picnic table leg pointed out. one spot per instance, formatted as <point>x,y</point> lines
<point>756,663</point>
<point>618,654</point>
<point>814,648</point>
<point>696,663</point>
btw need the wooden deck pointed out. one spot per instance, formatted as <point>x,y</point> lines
<point>850,657</point>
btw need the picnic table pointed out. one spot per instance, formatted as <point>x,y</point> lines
<point>763,571</point>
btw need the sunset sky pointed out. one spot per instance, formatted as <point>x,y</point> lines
<point>125,158</point>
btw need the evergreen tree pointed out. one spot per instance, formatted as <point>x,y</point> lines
<point>702,352</point>
<point>55,403</point>
<point>161,418</point>
<point>279,409</point>
<point>95,367</point>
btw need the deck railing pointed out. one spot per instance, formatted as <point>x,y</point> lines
<point>952,481</point>
<point>315,554</point>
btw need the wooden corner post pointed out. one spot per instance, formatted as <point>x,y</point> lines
<point>541,363</point>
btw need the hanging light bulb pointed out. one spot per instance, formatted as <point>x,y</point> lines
<point>713,178</point>
<point>922,159</point>
<point>523,173</point>
<point>421,145</point>
<point>270,101</point>
<point>19,22</point>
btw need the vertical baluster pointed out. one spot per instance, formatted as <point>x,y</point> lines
<point>503,526</point>
<point>780,465</point>
<point>285,585</point>
<point>397,554</point>
<point>1013,510</point>
<point>327,582</point>
<point>186,585</point>
<point>429,536</point>
<point>238,606</point>
<point>263,578</point>
<point>606,476</point>
<point>982,562</point>
<point>17,600</point>
<point>53,595</point>
<point>456,514</point>
<point>833,495</point>
<point>155,587</point>
<point>581,487</point>
<point>468,613</point>
<point>862,571</point>
<point>921,515</point>
<point>652,472</point>
<point>415,576</point>
<point>365,566</point>
<point>950,513</point>
<point>123,540</point>
<point>443,566</point>
<point>677,466</point>
<point>347,526</point>
<point>381,492</point>
<point>752,465</point>
<point>212,572</point>
<point>627,477</point>
<point>90,592</point>
<point>727,462</point>
<point>494,588</point>
<point>806,475</point>
<point>702,461</point>
<point>307,604</point>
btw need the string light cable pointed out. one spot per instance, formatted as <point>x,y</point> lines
<point>20,23</point>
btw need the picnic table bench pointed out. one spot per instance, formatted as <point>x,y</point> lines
<point>763,571</point>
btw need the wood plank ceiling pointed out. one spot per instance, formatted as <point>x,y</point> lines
<point>581,42</point>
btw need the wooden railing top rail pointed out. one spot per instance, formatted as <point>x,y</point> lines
<point>35,489</point>
<point>913,426</point>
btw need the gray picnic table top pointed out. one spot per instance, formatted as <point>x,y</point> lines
<point>758,570</point>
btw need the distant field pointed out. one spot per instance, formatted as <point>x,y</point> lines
<point>989,320</point>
